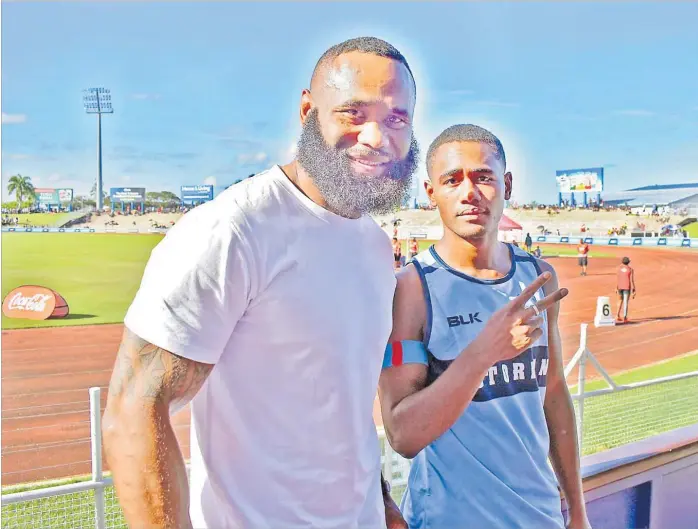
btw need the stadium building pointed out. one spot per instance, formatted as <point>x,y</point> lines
<point>675,197</point>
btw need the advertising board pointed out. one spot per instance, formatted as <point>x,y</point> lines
<point>197,193</point>
<point>580,180</point>
<point>127,195</point>
<point>49,196</point>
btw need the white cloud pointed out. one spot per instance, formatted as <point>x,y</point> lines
<point>13,119</point>
<point>293,149</point>
<point>17,156</point>
<point>124,179</point>
<point>210,181</point>
<point>55,177</point>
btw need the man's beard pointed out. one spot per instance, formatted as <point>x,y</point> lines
<point>346,193</point>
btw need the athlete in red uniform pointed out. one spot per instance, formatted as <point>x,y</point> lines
<point>582,257</point>
<point>626,284</point>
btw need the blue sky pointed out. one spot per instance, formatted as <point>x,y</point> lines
<point>209,92</point>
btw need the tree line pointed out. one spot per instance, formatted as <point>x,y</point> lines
<point>25,196</point>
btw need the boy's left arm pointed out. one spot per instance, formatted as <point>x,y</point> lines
<point>559,415</point>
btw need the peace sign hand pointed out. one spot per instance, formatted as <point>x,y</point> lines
<point>514,327</point>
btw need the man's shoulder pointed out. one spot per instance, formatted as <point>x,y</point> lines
<point>255,192</point>
<point>408,278</point>
<point>409,289</point>
<point>236,203</point>
<point>375,233</point>
<point>225,219</point>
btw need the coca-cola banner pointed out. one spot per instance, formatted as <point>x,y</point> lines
<point>127,195</point>
<point>33,302</point>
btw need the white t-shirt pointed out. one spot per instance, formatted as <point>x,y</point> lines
<point>293,305</point>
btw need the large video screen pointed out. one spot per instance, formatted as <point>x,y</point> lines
<point>576,180</point>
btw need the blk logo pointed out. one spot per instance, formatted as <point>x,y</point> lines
<point>455,321</point>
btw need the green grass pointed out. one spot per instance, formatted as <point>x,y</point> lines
<point>562,251</point>
<point>675,366</point>
<point>692,230</point>
<point>52,220</point>
<point>62,512</point>
<point>98,274</point>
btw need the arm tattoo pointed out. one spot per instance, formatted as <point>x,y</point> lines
<point>148,372</point>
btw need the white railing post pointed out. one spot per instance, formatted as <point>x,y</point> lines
<point>96,442</point>
<point>387,460</point>
<point>580,386</point>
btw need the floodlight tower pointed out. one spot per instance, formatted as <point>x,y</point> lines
<point>98,101</point>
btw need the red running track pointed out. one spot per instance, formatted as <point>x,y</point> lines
<point>46,373</point>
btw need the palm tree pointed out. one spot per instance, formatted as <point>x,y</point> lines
<point>21,186</point>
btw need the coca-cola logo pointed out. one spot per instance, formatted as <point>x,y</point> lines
<point>37,302</point>
<point>30,302</point>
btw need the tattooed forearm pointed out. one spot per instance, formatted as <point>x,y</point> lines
<point>145,371</point>
<point>147,386</point>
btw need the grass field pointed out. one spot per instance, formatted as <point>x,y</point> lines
<point>98,274</point>
<point>52,220</point>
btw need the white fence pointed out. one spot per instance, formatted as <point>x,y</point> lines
<point>433,233</point>
<point>33,229</point>
<point>606,418</point>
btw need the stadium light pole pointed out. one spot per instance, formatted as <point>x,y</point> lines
<point>98,101</point>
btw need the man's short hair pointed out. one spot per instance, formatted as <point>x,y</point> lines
<point>467,132</point>
<point>370,45</point>
<point>626,260</point>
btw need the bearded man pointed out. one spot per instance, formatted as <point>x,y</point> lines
<point>269,309</point>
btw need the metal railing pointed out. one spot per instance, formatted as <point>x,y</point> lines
<point>622,413</point>
<point>71,505</point>
<point>606,417</point>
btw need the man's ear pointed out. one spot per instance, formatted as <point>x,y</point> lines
<point>508,185</point>
<point>429,188</point>
<point>307,105</point>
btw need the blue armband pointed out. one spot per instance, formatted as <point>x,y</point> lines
<point>405,352</point>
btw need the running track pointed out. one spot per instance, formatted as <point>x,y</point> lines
<point>46,373</point>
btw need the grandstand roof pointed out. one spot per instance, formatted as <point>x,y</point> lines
<point>659,195</point>
<point>658,187</point>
